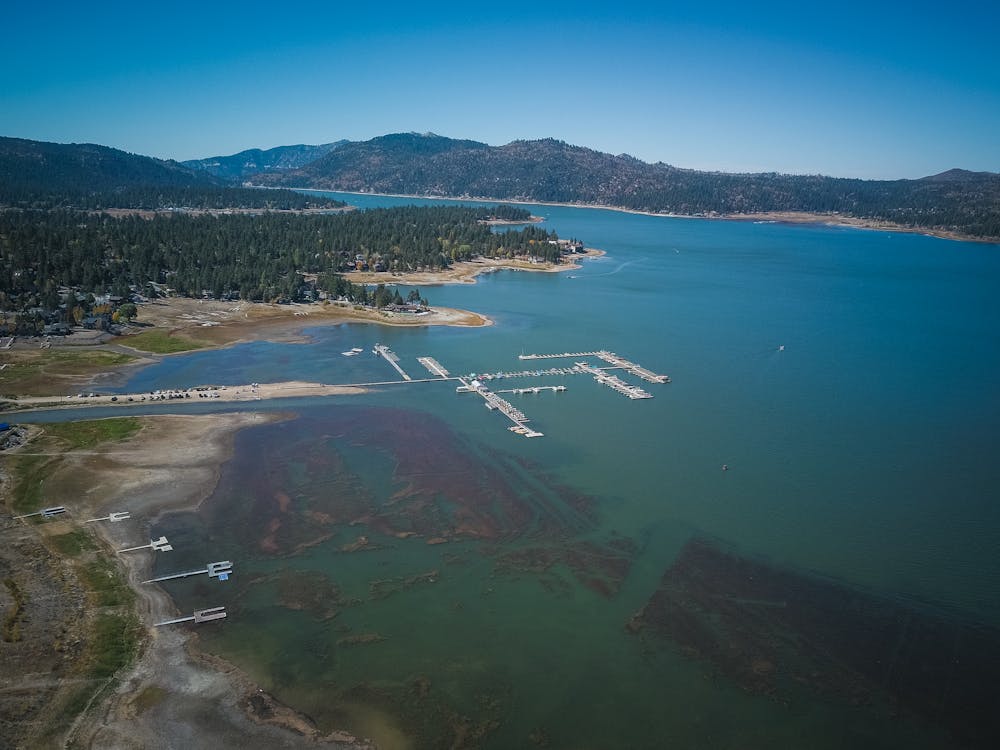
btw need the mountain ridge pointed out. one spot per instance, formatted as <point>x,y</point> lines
<point>253,161</point>
<point>41,174</point>
<point>553,171</point>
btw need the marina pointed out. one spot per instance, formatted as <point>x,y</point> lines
<point>495,402</point>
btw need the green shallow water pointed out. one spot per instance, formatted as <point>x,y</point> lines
<point>860,461</point>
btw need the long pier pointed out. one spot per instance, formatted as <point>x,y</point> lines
<point>564,355</point>
<point>390,356</point>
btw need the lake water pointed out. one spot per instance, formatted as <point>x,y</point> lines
<point>803,597</point>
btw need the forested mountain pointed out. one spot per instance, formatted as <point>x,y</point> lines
<point>255,257</point>
<point>36,174</point>
<point>239,167</point>
<point>550,170</point>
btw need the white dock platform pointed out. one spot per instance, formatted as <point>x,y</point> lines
<point>433,366</point>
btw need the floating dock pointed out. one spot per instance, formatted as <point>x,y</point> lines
<point>433,366</point>
<point>611,358</point>
<point>497,403</point>
<point>535,389</point>
<point>615,383</point>
<point>575,370</point>
<point>631,367</point>
<point>390,356</point>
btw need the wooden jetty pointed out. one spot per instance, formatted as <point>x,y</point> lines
<point>390,356</point>
<point>157,545</point>
<point>113,517</point>
<point>201,615</point>
<point>55,510</point>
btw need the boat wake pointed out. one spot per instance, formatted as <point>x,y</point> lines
<point>615,270</point>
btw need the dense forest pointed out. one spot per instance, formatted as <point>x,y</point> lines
<point>34,174</point>
<point>549,170</point>
<point>269,257</point>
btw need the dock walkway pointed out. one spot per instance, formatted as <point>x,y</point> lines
<point>631,367</point>
<point>390,356</point>
<point>564,355</point>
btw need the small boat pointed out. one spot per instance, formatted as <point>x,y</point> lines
<point>351,353</point>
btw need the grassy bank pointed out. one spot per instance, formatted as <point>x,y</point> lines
<point>162,342</point>
<point>104,636</point>
<point>91,433</point>
<point>47,372</point>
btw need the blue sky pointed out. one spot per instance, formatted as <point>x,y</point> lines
<point>869,89</point>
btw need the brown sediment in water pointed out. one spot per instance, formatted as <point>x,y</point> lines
<point>442,489</point>
<point>778,632</point>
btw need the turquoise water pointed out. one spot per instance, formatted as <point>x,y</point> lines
<point>862,452</point>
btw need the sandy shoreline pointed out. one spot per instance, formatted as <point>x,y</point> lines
<point>199,394</point>
<point>466,271</point>
<point>780,217</point>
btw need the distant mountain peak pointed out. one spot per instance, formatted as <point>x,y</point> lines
<point>960,175</point>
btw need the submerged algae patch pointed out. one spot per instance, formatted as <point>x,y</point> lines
<point>778,632</point>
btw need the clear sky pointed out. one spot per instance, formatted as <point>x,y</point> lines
<point>868,89</point>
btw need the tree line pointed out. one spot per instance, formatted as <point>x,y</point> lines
<point>265,257</point>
